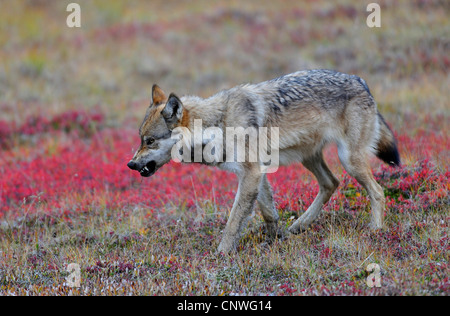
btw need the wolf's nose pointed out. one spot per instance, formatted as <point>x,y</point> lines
<point>132,165</point>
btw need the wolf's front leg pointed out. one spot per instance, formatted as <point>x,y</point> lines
<point>267,206</point>
<point>242,208</point>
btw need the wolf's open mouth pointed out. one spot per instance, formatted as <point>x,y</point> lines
<point>148,170</point>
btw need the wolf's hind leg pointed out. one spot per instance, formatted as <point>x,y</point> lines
<point>357,165</point>
<point>328,183</point>
<point>267,206</point>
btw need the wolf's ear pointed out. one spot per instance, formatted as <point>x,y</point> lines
<point>158,96</point>
<point>173,111</point>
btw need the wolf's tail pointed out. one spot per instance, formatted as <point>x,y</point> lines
<point>386,147</point>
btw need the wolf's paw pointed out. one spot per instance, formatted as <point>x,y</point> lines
<point>272,231</point>
<point>227,245</point>
<point>278,236</point>
<point>297,228</point>
<point>375,226</point>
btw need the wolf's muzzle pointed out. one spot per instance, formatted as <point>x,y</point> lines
<point>132,165</point>
<point>146,171</point>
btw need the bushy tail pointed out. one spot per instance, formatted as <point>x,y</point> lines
<point>386,148</point>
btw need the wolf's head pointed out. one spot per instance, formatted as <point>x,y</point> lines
<point>162,117</point>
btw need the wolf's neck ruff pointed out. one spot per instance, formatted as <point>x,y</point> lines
<point>215,146</point>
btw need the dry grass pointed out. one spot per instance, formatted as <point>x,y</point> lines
<point>173,255</point>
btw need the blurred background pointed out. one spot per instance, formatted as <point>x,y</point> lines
<point>72,99</point>
<point>199,47</point>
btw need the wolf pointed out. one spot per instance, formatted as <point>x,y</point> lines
<point>310,108</point>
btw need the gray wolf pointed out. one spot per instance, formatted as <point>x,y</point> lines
<point>310,108</point>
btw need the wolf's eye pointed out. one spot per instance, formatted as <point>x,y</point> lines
<point>150,141</point>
